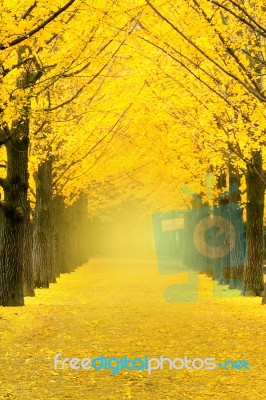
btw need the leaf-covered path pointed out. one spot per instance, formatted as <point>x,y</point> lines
<point>115,308</point>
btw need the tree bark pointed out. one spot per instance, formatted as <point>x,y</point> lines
<point>236,256</point>
<point>70,233</point>
<point>28,276</point>
<point>57,236</point>
<point>263,301</point>
<point>253,271</point>
<point>15,186</point>
<point>42,235</point>
<point>81,216</point>
<point>62,236</point>
<point>15,210</point>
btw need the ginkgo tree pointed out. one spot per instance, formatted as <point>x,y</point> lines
<point>73,39</point>
<point>221,45</point>
<point>21,70</point>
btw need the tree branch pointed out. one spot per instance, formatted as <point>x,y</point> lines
<point>20,39</point>
<point>262,30</point>
<point>29,10</point>
<point>249,89</point>
<point>90,151</point>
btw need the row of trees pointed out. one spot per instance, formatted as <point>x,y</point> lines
<point>55,59</point>
<point>211,58</point>
<point>106,102</point>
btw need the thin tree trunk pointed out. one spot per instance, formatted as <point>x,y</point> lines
<point>28,276</point>
<point>42,243</point>
<point>81,216</point>
<point>67,245</point>
<point>62,223</point>
<point>237,256</point>
<point>57,220</point>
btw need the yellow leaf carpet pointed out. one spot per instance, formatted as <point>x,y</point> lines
<point>115,308</point>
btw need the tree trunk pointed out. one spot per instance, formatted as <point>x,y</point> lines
<point>253,272</point>
<point>70,234</point>
<point>15,205</point>
<point>264,295</point>
<point>81,217</point>
<point>28,276</point>
<point>62,243</point>
<point>237,256</point>
<point>15,210</point>
<point>56,253</point>
<point>42,235</point>
<point>221,272</point>
<point>57,238</point>
<point>66,241</point>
